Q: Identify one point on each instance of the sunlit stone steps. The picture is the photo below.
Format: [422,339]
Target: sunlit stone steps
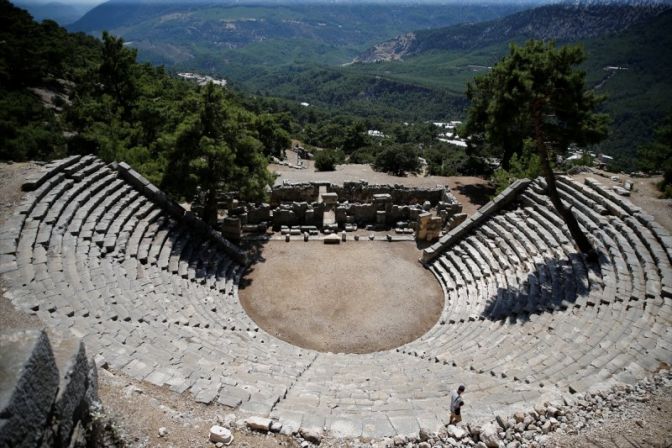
[559,288]
[93,253]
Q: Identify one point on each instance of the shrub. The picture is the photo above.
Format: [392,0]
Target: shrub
[326,160]
[398,160]
[525,166]
[365,155]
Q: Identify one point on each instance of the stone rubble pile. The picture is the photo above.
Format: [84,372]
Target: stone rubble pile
[571,415]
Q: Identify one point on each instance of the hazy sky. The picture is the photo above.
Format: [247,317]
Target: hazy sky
[67,2]
[95,2]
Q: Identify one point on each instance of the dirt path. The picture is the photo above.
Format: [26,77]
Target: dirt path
[356,297]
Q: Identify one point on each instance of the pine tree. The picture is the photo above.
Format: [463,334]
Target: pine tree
[537,94]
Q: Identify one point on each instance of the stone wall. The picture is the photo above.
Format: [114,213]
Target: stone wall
[360,192]
[363,192]
[299,192]
[177,211]
[48,393]
[298,214]
[294,204]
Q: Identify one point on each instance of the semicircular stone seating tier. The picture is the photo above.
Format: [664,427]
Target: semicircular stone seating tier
[98,252]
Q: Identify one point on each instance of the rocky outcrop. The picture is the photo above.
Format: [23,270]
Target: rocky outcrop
[562,22]
[390,50]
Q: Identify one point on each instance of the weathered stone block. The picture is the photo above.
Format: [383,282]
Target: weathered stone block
[258,423]
[28,385]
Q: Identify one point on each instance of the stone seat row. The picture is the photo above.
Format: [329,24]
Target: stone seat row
[97,210]
[485,274]
[95,273]
[525,316]
[385,393]
[117,312]
[616,319]
[103,209]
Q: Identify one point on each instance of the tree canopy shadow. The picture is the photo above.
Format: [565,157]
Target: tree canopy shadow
[479,194]
[556,284]
[255,251]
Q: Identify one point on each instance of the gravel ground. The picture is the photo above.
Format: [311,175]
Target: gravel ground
[354,297]
[140,409]
[642,418]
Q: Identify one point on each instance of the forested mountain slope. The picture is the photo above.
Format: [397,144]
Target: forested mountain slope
[63,93]
[230,37]
[561,22]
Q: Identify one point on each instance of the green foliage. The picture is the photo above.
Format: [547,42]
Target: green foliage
[585,160]
[536,98]
[305,62]
[336,132]
[327,159]
[448,160]
[346,90]
[312,32]
[116,71]
[430,85]
[27,129]
[176,134]
[274,138]
[365,155]
[527,165]
[535,93]
[215,148]
[398,159]
[33,55]
[656,156]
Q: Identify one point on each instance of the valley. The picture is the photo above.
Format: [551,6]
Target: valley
[346,58]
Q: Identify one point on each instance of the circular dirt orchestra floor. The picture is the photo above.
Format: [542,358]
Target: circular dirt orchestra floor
[357,297]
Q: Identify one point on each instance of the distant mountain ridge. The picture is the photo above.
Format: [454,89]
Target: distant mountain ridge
[60,12]
[178,31]
[560,22]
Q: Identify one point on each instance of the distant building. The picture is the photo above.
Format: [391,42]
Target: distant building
[492,162]
[202,80]
[455,142]
[447,124]
[375,133]
[602,160]
[449,134]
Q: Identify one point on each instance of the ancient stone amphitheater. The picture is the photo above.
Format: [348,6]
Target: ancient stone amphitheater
[99,253]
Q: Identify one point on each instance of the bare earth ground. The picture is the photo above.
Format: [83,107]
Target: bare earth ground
[641,425]
[140,409]
[355,297]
